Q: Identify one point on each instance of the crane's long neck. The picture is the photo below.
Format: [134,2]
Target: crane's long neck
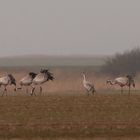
[84,77]
[111,82]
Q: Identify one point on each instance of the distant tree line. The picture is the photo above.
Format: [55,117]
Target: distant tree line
[123,63]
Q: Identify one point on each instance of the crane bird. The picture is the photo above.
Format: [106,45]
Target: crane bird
[43,76]
[27,80]
[123,81]
[7,80]
[88,85]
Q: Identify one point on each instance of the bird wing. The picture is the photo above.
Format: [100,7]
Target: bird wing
[4,80]
[89,83]
[27,80]
[40,78]
[122,80]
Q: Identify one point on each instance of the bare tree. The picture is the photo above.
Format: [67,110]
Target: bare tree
[123,63]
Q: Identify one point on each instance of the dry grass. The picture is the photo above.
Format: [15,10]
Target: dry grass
[70,116]
[66,112]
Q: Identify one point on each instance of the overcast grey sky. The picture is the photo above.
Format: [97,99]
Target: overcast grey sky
[65,27]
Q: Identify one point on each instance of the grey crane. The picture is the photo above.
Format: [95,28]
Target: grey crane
[122,82]
[43,76]
[88,85]
[27,80]
[7,80]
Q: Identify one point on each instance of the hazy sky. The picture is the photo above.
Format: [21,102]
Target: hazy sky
[55,27]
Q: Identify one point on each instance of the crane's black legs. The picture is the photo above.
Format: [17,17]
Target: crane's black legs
[27,90]
[121,90]
[40,90]
[4,92]
[33,91]
[129,90]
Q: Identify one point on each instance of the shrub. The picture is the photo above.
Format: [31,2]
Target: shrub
[123,63]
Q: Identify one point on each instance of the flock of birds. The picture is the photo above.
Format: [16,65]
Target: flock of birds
[121,81]
[33,79]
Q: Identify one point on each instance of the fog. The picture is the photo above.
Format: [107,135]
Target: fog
[68,27]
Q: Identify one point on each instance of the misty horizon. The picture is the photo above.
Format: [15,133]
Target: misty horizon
[76,27]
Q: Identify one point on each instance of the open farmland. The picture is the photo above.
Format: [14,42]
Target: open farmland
[70,116]
[65,112]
